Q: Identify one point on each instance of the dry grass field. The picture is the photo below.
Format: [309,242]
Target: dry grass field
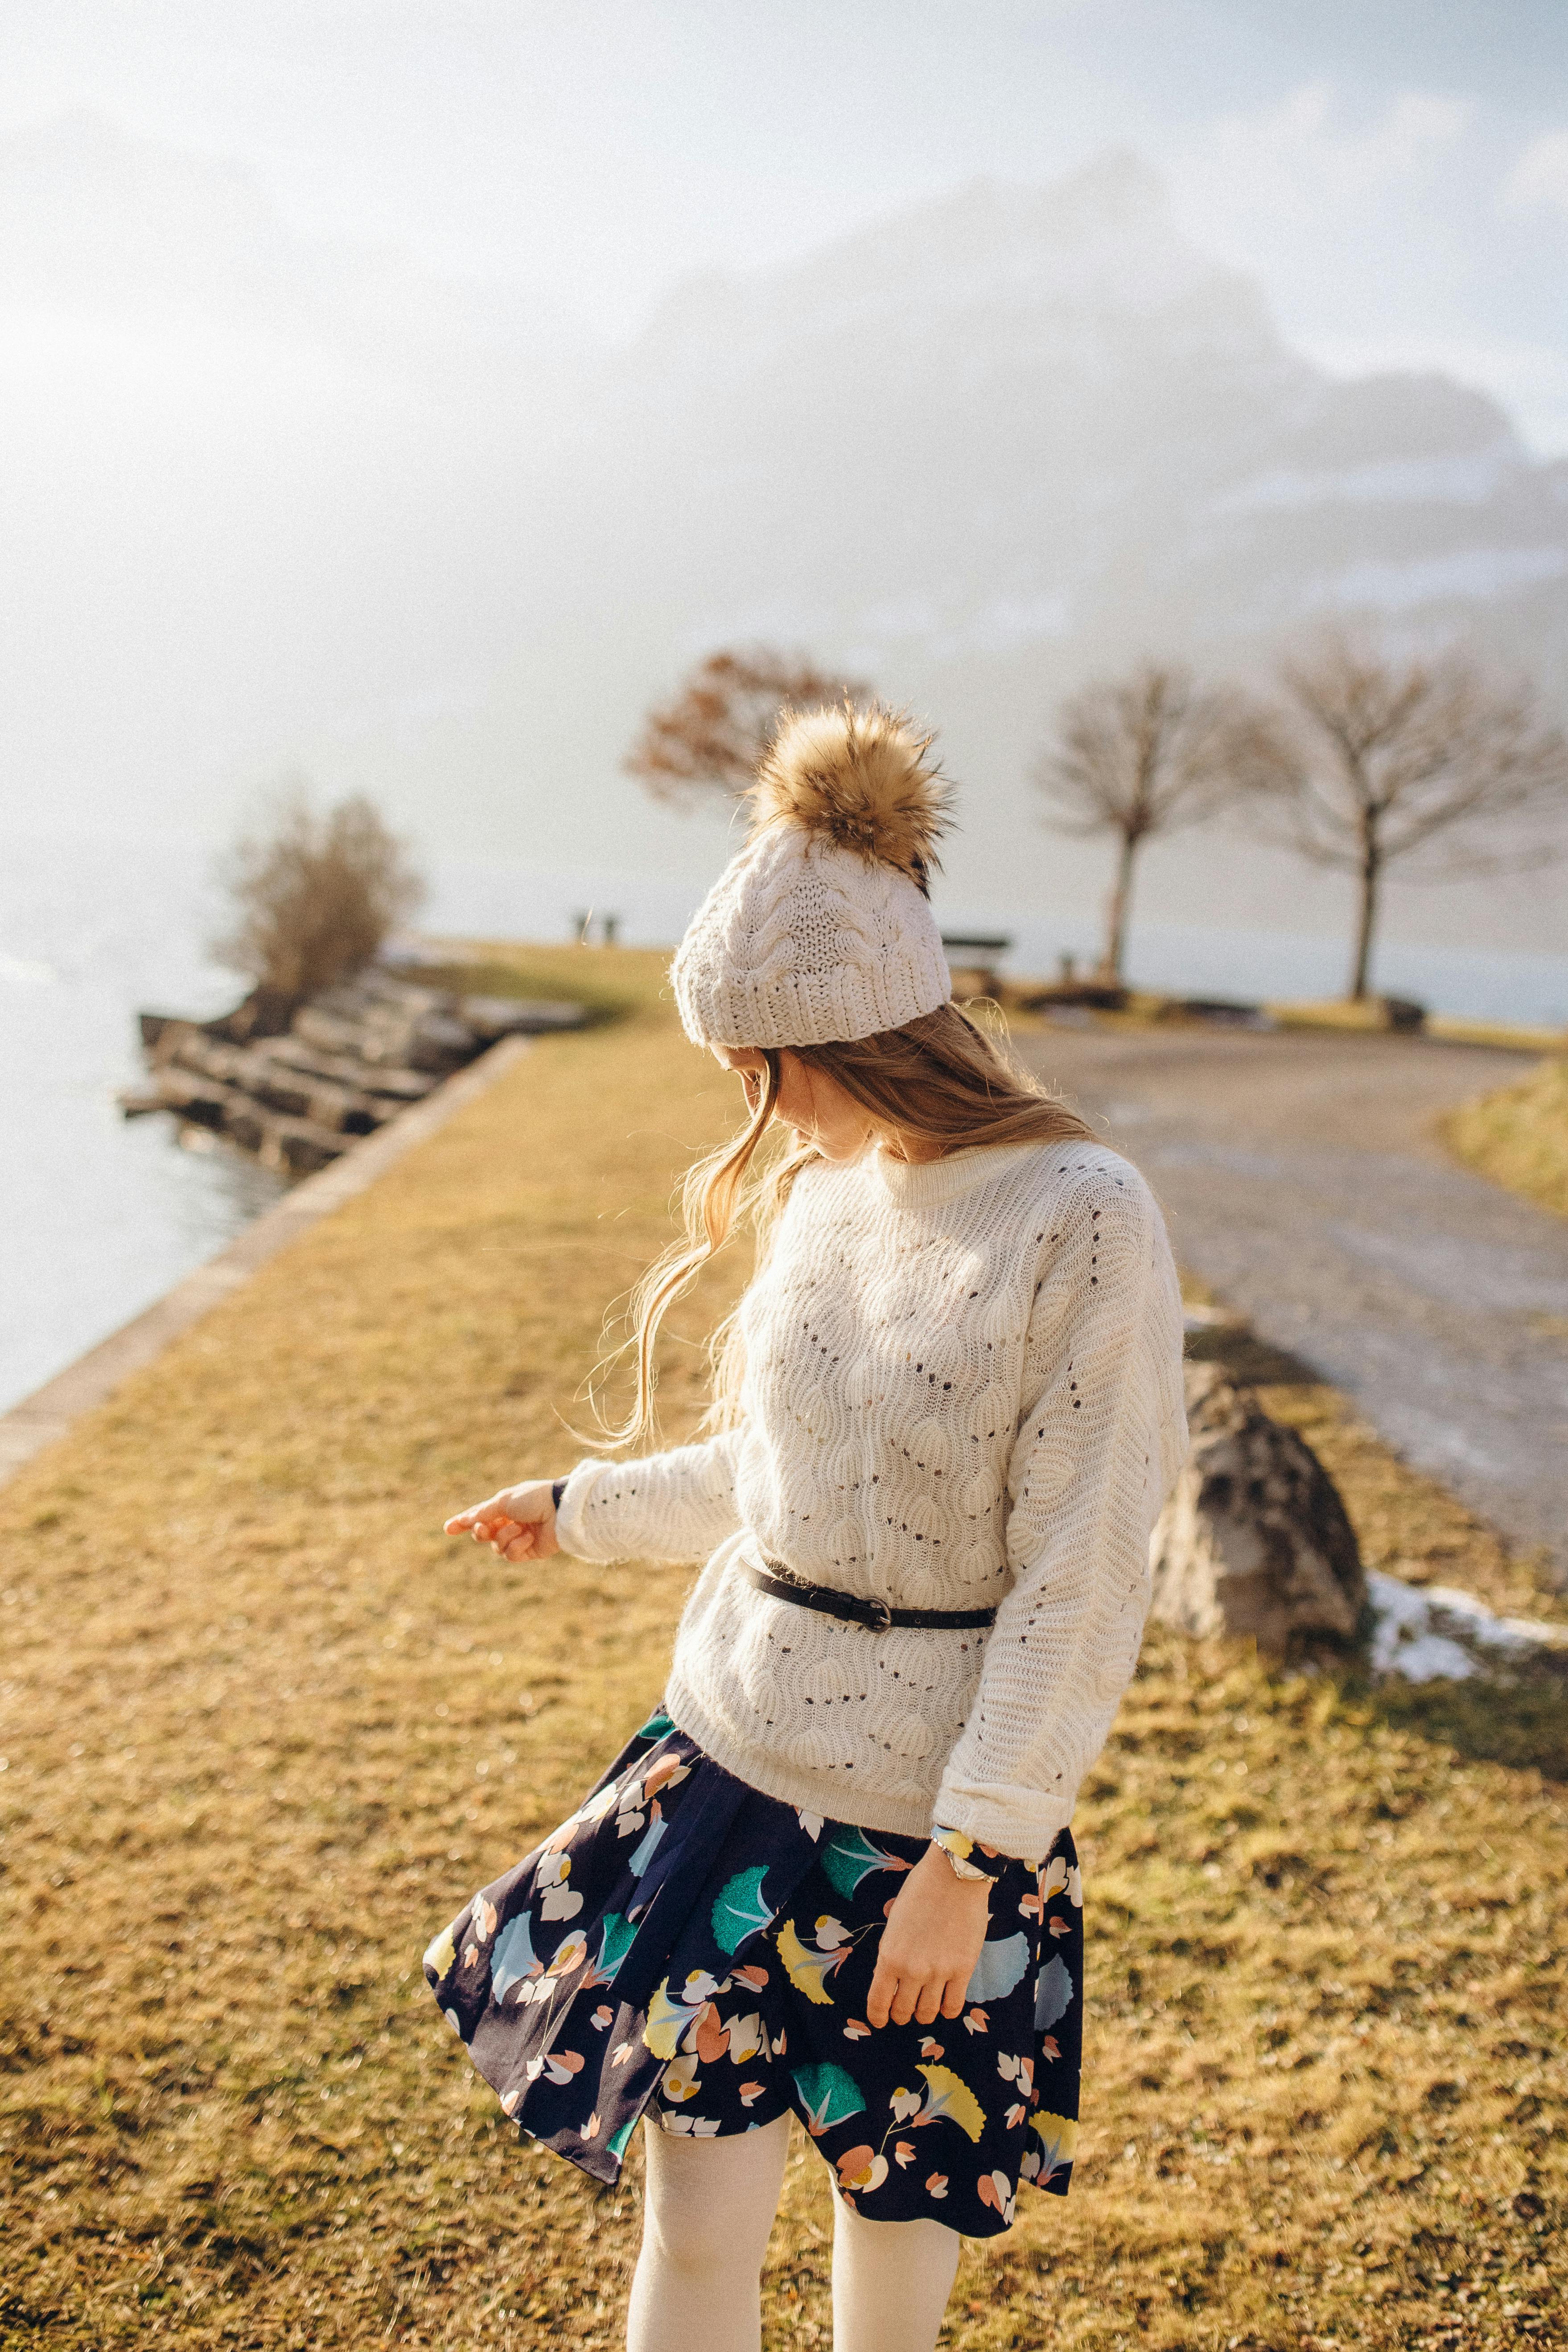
[1518,1136]
[265,1729]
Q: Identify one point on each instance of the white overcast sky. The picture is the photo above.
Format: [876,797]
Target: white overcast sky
[1394,171]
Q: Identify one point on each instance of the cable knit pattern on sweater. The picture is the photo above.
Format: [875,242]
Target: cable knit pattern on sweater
[962,1388]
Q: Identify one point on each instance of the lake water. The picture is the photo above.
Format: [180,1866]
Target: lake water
[100,1215]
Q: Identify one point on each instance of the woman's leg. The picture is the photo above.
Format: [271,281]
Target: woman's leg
[890,2281]
[708,2208]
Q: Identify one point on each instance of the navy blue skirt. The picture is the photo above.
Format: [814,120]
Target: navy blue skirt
[686,1945]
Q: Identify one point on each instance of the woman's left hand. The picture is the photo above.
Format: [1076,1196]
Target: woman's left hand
[930,1945]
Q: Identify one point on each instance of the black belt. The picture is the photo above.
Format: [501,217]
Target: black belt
[875,1615]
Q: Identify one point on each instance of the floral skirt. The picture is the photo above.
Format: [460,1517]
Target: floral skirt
[687,1946]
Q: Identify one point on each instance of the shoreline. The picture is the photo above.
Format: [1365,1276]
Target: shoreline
[50,1412]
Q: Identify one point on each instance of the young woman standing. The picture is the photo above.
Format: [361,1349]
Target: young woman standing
[833,1876]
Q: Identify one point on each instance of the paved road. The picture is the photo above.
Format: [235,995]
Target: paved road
[1301,1177]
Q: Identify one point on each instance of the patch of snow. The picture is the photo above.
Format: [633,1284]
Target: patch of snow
[1432,1632]
[1008,622]
[1000,625]
[22,971]
[1470,572]
[1466,477]
[913,616]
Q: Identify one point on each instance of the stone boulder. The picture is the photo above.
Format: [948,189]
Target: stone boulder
[297,1082]
[1255,1539]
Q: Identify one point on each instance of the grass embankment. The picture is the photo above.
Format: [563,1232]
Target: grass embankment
[607,985]
[1371,1014]
[267,1729]
[1518,1136]
[1024,1003]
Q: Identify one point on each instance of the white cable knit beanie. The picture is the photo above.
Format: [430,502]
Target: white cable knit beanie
[819,931]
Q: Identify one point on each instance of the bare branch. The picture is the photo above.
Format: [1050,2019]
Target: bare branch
[1145,755]
[314,894]
[1423,762]
[713,735]
[1385,760]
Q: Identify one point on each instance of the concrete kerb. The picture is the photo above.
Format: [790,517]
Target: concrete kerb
[51,1411]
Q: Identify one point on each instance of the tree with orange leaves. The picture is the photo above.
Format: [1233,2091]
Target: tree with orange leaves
[712,737]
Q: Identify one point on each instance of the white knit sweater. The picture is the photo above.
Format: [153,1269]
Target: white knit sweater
[963,1388]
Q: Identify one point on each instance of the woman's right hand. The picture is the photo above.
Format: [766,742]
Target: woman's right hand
[519,1523]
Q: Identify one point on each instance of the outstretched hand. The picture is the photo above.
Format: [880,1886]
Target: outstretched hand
[518,1524]
[930,1945]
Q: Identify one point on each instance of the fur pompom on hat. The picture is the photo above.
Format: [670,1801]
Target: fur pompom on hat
[819,931]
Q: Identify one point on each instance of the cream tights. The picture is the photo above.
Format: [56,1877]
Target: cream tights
[710,2210]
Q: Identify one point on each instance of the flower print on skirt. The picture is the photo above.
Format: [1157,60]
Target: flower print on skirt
[686,1945]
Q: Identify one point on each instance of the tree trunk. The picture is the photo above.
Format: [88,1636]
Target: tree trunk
[1371,873]
[1118,908]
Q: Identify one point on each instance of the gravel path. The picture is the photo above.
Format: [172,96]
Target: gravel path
[1302,1179]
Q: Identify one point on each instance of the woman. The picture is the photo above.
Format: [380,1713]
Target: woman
[833,1874]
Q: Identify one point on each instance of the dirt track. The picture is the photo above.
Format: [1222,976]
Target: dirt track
[1302,1179]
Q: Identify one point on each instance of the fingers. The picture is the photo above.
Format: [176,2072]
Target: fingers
[478,1520]
[917,1997]
[878,2001]
[897,1999]
[508,1516]
[488,1523]
[508,1539]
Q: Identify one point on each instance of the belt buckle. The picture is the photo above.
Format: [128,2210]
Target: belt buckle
[880,1616]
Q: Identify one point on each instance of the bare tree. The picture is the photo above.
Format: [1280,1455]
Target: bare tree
[1426,759]
[1140,756]
[314,894]
[712,736]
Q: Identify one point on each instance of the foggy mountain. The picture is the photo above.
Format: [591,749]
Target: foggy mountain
[320,506]
[1037,425]
[99,223]
[247,478]
[988,448]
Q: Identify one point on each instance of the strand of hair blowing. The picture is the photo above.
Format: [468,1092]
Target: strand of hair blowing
[937,1081]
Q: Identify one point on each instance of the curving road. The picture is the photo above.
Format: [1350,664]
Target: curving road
[1301,1177]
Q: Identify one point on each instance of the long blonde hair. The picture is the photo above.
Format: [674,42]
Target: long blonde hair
[941,1080]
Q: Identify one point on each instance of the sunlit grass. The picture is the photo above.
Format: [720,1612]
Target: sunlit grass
[1518,1136]
[266,1729]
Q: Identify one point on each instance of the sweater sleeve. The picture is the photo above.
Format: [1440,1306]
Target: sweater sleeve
[676,1505]
[1100,1440]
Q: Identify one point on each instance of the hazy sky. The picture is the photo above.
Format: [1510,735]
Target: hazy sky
[1394,171]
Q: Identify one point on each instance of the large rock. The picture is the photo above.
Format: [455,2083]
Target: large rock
[297,1082]
[1255,1539]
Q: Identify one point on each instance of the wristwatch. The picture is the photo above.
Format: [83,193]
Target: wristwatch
[966,1859]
